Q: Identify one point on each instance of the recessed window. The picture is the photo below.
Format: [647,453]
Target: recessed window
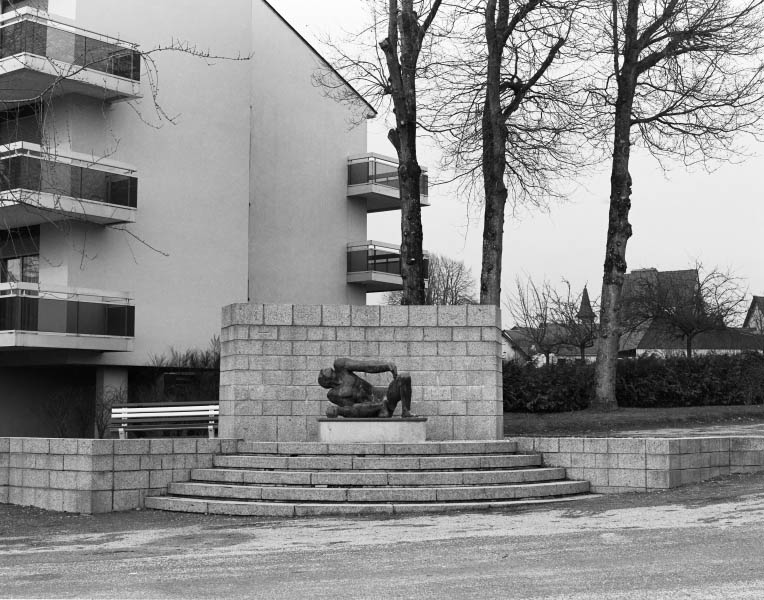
[24,269]
[9,5]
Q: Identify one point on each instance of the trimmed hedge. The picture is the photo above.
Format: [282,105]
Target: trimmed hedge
[640,383]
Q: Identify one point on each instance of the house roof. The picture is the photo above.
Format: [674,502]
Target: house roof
[681,283]
[757,302]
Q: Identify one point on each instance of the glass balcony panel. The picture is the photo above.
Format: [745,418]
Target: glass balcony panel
[385,174]
[60,45]
[61,179]
[14,128]
[358,173]
[52,316]
[91,318]
[69,47]
[119,320]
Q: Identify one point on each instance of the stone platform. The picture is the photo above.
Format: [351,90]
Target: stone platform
[310,479]
[383,431]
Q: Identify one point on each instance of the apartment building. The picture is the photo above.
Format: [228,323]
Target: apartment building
[159,160]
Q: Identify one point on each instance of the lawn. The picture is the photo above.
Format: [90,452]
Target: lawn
[597,423]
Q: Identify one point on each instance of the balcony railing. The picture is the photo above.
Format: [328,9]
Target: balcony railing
[56,187]
[69,55]
[67,312]
[376,265]
[375,178]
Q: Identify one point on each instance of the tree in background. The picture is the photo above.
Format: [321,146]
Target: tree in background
[532,310]
[681,78]
[683,304]
[449,282]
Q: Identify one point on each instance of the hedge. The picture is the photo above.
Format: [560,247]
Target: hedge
[641,383]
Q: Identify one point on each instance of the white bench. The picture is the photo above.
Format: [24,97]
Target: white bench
[164,416]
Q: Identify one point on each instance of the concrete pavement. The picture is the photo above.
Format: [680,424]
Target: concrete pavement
[702,541]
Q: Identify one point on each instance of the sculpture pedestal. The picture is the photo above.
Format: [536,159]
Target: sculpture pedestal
[380,431]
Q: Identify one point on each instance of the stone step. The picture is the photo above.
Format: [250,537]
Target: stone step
[378,478]
[378,494]
[423,448]
[307,509]
[376,463]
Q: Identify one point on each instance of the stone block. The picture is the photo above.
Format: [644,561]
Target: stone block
[351,334]
[547,444]
[626,445]
[483,349]
[61,446]
[100,480]
[438,334]
[452,316]
[131,446]
[292,429]
[293,363]
[34,478]
[661,446]
[452,348]
[293,333]
[244,314]
[571,445]
[78,462]
[131,480]
[276,349]
[364,316]
[126,499]
[277,314]
[483,315]
[262,333]
[451,407]
[583,459]
[322,333]
[160,446]
[408,334]
[389,350]
[657,461]
[335,315]
[36,446]
[440,428]
[606,461]
[128,462]
[305,314]
[394,316]
[184,446]
[423,316]
[235,332]
[257,363]
[101,501]
[49,461]
[628,478]
[78,501]
[746,443]
[631,461]
[689,445]
[482,408]
[160,479]
[466,334]
[370,350]
[232,363]
[379,334]
[150,461]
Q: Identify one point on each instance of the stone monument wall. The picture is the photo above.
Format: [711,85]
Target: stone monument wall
[271,355]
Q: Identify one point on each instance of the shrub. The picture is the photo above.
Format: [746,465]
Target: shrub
[640,383]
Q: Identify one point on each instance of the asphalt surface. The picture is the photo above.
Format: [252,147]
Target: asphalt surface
[701,541]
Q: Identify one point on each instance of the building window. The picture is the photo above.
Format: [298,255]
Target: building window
[24,269]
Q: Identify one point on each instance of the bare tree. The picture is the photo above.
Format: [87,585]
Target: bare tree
[449,282]
[532,310]
[683,304]
[502,114]
[390,68]
[682,78]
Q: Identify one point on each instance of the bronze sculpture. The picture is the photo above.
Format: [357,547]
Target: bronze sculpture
[354,397]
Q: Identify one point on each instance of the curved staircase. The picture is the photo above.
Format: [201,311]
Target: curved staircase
[309,479]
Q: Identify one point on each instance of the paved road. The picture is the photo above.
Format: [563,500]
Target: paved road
[704,541]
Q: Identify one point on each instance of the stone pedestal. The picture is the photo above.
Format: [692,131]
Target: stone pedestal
[271,355]
[379,431]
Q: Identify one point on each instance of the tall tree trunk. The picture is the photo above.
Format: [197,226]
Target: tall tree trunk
[494,131]
[618,234]
[402,73]
[688,346]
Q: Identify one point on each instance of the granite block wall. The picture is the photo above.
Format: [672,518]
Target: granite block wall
[613,465]
[95,476]
[271,355]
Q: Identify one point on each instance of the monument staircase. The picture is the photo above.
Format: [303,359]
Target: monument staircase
[311,479]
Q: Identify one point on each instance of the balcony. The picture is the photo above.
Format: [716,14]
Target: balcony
[376,266]
[40,57]
[36,188]
[375,179]
[61,318]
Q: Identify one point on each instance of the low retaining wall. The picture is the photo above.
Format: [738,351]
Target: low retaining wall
[271,355]
[95,476]
[614,465]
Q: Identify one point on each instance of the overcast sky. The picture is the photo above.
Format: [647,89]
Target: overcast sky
[677,217]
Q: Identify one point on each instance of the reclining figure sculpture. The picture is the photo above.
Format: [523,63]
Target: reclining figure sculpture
[354,397]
